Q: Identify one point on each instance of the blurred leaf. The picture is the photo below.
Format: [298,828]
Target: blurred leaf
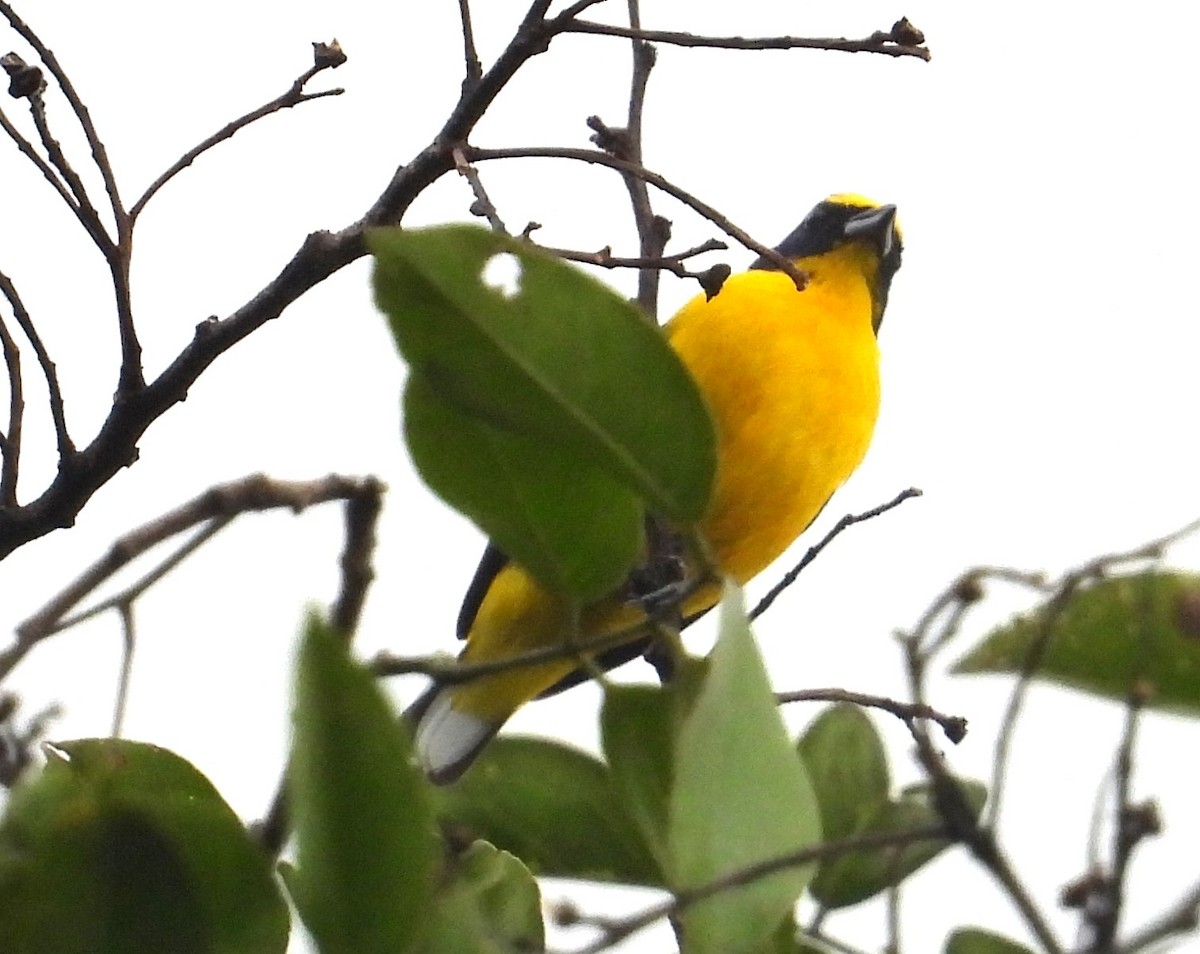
[563,359]
[124,847]
[848,768]
[856,876]
[364,826]
[492,905]
[1113,636]
[553,807]
[978,941]
[638,724]
[740,797]
[571,525]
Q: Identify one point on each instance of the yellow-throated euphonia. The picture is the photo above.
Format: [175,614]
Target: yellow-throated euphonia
[791,378]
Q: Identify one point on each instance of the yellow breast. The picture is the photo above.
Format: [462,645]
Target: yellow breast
[792,380]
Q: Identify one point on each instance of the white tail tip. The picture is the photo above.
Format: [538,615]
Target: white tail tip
[447,740]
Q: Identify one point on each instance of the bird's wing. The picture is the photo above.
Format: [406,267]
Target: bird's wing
[490,564]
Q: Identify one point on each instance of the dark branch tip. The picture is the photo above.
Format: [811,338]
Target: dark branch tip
[25,81]
[905,33]
[328,56]
[711,279]
[614,140]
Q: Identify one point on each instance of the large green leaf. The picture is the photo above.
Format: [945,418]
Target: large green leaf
[848,767]
[1140,631]
[570,524]
[366,841]
[856,876]
[553,807]
[638,726]
[490,904]
[978,941]
[740,796]
[124,847]
[563,359]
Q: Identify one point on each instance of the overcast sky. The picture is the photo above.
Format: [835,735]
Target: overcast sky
[1039,349]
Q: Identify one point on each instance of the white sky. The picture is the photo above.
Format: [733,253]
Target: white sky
[1039,367]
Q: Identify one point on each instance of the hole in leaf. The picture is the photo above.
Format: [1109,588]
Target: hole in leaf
[502,273]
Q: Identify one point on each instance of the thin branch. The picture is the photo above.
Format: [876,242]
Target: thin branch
[128,642]
[1182,917]
[27,150]
[86,212]
[619,930]
[952,805]
[902,40]
[293,96]
[1049,615]
[10,443]
[218,504]
[320,255]
[474,69]
[673,263]
[361,518]
[99,153]
[845,523]
[954,727]
[653,231]
[483,205]
[65,447]
[600,158]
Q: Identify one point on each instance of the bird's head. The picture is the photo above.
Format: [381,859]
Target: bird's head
[865,229]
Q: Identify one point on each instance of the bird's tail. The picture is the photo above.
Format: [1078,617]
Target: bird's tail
[446,740]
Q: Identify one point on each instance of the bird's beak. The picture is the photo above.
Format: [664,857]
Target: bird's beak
[876,224]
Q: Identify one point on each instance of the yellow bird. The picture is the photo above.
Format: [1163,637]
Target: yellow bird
[792,381]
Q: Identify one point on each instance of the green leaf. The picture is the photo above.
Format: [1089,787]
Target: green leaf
[1119,635]
[740,797]
[978,941]
[120,846]
[492,905]
[856,876]
[553,807]
[638,725]
[364,823]
[571,525]
[563,360]
[848,767]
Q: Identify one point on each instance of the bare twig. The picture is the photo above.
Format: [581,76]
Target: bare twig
[214,507]
[954,727]
[99,153]
[293,96]
[888,43]
[673,263]
[1049,616]
[128,643]
[10,441]
[1182,917]
[600,158]
[321,255]
[41,164]
[952,805]
[474,69]
[361,517]
[619,930]
[1104,897]
[483,205]
[814,551]
[65,447]
[85,211]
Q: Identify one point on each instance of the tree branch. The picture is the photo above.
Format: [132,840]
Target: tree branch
[325,56]
[216,507]
[814,551]
[902,40]
[954,727]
